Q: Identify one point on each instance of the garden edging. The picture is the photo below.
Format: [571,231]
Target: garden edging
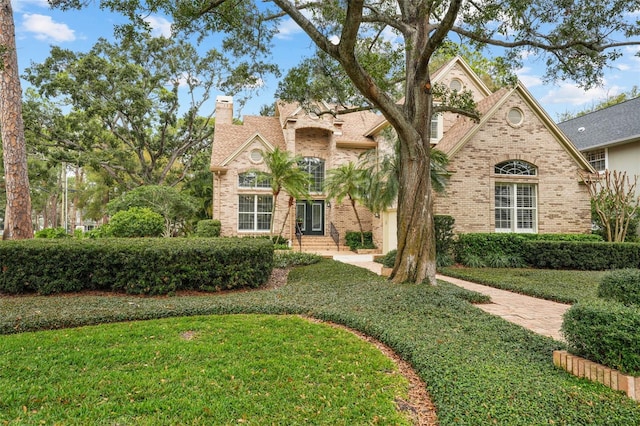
[595,372]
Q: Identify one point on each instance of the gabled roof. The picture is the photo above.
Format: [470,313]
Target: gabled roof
[609,126]
[436,77]
[229,138]
[465,128]
[444,70]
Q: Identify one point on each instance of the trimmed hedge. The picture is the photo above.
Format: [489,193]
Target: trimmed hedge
[509,250]
[354,241]
[605,332]
[135,266]
[621,286]
[593,256]
[208,228]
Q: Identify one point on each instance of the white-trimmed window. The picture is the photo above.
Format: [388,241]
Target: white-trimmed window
[516,203]
[315,167]
[254,212]
[437,124]
[251,180]
[516,206]
[598,159]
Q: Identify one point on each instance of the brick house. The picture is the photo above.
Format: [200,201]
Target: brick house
[513,171]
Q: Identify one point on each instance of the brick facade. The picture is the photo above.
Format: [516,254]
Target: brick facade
[474,149]
[302,134]
[563,204]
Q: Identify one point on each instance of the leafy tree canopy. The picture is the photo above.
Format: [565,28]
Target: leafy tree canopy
[117,107]
[174,206]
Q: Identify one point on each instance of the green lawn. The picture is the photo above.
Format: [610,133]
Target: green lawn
[560,286]
[479,369]
[251,369]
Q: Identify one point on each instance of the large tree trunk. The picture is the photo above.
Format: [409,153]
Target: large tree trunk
[17,223]
[416,256]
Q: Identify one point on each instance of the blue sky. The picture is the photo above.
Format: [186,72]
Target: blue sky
[38,27]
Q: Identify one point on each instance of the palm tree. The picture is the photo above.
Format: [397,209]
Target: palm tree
[381,176]
[283,173]
[347,181]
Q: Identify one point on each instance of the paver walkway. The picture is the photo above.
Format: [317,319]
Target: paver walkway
[540,316]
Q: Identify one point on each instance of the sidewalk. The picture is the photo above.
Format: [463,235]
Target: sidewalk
[540,316]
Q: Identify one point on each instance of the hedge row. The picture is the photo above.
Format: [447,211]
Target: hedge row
[605,332]
[594,256]
[136,266]
[506,250]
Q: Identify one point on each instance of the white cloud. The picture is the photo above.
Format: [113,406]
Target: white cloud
[19,5]
[529,80]
[44,28]
[160,27]
[287,29]
[570,94]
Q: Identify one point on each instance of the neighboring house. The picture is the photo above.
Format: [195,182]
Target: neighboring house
[609,138]
[513,171]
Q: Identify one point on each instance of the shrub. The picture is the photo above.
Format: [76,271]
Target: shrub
[136,266]
[389,259]
[52,233]
[472,260]
[135,223]
[605,332]
[593,256]
[354,241]
[209,228]
[486,249]
[293,258]
[279,240]
[621,286]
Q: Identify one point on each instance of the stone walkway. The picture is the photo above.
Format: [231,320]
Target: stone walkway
[540,316]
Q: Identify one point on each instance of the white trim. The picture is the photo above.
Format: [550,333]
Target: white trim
[255,137]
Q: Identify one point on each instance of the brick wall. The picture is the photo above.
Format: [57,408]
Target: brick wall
[306,142]
[563,202]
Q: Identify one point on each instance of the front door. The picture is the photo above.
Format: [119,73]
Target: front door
[310,215]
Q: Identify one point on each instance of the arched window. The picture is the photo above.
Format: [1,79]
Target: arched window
[315,167]
[253,180]
[516,203]
[515,167]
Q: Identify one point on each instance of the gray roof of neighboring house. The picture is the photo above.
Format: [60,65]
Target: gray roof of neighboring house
[609,126]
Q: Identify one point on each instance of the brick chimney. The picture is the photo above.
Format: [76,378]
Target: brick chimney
[224,109]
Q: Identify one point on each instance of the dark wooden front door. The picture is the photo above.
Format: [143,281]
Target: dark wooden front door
[310,215]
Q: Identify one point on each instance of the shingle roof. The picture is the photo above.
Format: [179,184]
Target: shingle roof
[609,126]
[464,125]
[228,137]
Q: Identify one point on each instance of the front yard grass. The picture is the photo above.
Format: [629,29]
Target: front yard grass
[251,369]
[560,286]
[479,369]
